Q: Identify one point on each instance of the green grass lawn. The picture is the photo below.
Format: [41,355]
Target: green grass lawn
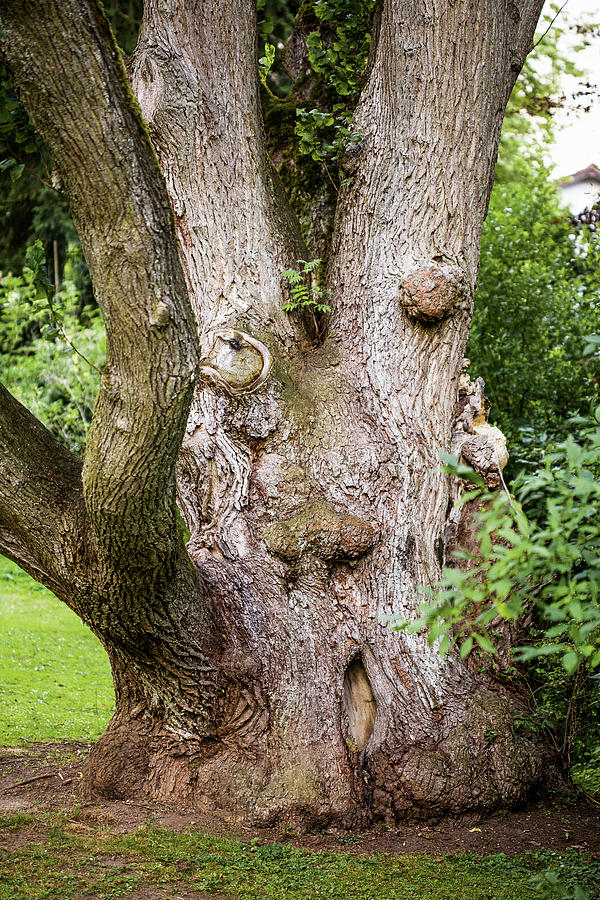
[55,681]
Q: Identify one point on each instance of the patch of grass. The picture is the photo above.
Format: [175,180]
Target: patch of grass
[55,684]
[105,865]
[55,681]
[16,821]
[102,865]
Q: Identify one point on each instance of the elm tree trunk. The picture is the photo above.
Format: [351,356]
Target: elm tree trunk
[255,670]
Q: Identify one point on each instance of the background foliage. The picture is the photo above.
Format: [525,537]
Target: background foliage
[537,301]
[42,348]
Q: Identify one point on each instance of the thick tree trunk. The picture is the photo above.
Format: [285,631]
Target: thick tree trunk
[327,714]
[262,678]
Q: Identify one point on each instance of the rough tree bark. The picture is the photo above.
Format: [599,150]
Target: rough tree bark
[254,671]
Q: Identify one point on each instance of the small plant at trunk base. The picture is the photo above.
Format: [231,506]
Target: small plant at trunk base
[306,294]
[304,287]
[548,887]
[539,556]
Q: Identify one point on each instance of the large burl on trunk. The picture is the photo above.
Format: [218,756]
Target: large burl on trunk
[254,668]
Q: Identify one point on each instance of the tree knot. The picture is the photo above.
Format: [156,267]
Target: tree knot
[161,314]
[321,531]
[237,362]
[430,292]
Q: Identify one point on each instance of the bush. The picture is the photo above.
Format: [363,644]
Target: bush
[539,556]
[50,351]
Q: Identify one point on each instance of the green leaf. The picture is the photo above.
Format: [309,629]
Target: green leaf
[467,497]
[570,661]
[501,588]
[50,332]
[466,647]
[484,642]
[444,645]
[16,172]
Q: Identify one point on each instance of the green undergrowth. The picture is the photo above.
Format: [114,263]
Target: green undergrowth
[55,681]
[61,863]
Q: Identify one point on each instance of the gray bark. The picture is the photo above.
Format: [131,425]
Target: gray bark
[266,680]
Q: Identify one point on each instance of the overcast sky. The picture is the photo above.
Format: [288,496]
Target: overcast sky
[578,132]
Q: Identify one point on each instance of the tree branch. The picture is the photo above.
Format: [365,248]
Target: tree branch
[530,11]
[407,232]
[195,74]
[431,115]
[43,523]
[72,80]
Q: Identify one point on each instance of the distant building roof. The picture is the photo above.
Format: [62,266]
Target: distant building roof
[581,190]
[590,173]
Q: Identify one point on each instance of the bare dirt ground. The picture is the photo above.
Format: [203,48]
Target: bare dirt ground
[45,776]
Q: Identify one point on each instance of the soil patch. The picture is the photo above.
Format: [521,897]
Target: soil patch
[45,776]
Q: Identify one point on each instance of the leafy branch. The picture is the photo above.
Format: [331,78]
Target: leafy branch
[265,63]
[547,560]
[324,134]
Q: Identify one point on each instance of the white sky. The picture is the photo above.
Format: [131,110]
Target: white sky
[578,132]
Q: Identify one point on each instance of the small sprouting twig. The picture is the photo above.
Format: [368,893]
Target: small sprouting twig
[56,321]
[73,347]
[335,187]
[505,488]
